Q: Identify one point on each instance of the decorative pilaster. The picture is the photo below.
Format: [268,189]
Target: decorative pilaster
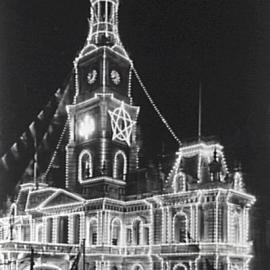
[197,223]
[108,233]
[54,229]
[163,226]
[169,224]
[71,229]
[191,230]
[44,229]
[32,229]
[82,226]
[99,227]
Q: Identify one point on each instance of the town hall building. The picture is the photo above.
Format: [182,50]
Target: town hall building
[113,214]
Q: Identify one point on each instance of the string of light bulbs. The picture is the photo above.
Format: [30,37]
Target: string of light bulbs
[164,121]
[56,149]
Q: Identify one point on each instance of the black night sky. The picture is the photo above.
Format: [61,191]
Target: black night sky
[225,45]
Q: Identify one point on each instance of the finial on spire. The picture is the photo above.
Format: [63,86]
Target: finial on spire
[103,22]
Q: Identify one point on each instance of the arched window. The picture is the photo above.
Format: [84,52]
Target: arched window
[93,232]
[120,165]
[85,165]
[179,182]
[180,267]
[49,230]
[76,238]
[116,232]
[180,228]
[137,267]
[137,231]
[63,230]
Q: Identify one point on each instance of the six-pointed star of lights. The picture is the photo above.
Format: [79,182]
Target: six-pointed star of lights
[122,124]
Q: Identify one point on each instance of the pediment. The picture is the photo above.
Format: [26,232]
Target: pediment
[61,197]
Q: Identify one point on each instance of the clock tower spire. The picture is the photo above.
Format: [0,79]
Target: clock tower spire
[102,148]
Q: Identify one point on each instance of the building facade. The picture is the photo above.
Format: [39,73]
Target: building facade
[113,214]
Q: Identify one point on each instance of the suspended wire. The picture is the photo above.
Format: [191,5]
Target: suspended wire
[56,150]
[164,121]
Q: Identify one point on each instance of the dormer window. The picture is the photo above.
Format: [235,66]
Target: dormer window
[179,183]
[85,165]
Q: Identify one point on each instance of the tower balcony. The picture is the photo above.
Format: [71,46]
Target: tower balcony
[227,248]
[177,248]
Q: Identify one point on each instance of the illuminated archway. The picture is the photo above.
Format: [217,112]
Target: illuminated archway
[116,229]
[180,228]
[137,229]
[120,165]
[85,165]
[179,266]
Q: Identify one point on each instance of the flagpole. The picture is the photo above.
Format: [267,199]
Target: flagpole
[200,113]
[35,161]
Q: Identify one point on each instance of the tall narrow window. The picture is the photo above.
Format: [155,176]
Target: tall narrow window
[85,165]
[93,232]
[146,236]
[120,165]
[236,228]
[103,11]
[116,232]
[63,230]
[129,236]
[76,229]
[137,227]
[179,182]
[49,230]
[180,228]
[26,233]
[39,231]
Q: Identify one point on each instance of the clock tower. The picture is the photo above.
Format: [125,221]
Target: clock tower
[102,147]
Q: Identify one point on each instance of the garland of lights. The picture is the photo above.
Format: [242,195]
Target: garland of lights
[56,150]
[164,121]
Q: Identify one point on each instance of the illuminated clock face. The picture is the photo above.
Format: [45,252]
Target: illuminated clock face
[92,76]
[86,127]
[115,76]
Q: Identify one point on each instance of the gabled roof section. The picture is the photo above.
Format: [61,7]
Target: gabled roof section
[37,197]
[61,197]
